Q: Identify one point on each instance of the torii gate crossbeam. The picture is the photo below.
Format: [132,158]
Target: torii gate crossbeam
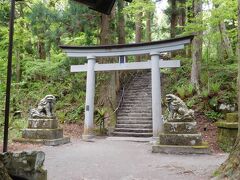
[153,49]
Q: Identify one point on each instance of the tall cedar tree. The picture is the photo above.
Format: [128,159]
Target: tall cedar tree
[230,169]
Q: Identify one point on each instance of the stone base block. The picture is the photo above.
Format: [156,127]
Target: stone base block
[232,117]
[47,142]
[42,133]
[180,139]
[180,128]
[227,125]
[226,134]
[42,123]
[182,120]
[170,149]
[87,137]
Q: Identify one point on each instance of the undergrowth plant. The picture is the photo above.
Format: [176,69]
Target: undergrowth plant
[100,119]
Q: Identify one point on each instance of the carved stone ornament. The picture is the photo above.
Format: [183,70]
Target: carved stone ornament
[44,109]
[177,109]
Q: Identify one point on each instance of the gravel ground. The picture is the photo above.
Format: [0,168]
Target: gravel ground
[123,160]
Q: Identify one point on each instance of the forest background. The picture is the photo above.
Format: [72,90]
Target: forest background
[206,79]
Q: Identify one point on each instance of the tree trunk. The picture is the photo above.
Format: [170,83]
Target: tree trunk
[148,27]
[121,37]
[18,67]
[121,23]
[230,169]
[41,49]
[182,15]
[225,39]
[104,34]
[138,31]
[196,49]
[173,18]
[238,79]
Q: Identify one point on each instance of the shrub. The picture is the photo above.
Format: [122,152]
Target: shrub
[189,90]
[215,87]
[181,92]
[204,93]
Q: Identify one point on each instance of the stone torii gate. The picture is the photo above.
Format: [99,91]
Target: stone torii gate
[152,48]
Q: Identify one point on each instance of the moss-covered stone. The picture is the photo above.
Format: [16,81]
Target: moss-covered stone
[25,165]
[42,123]
[227,125]
[172,149]
[181,139]
[43,133]
[180,128]
[232,117]
[226,137]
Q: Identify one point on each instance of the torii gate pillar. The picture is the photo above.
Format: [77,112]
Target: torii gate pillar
[157,121]
[89,106]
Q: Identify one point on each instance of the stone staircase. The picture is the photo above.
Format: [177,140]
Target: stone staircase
[134,118]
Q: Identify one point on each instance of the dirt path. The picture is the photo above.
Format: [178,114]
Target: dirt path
[122,160]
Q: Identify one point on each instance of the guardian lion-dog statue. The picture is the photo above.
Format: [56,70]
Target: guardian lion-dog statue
[178,111]
[45,108]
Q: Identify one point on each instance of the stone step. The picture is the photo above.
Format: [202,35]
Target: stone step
[134,118]
[132,134]
[134,114]
[134,121]
[42,133]
[139,91]
[135,100]
[180,128]
[138,104]
[135,130]
[42,123]
[141,80]
[137,96]
[136,111]
[137,108]
[171,149]
[47,142]
[139,126]
[180,139]
[140,88]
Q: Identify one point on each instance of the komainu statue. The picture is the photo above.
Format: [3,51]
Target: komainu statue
[45,108]
[177,109]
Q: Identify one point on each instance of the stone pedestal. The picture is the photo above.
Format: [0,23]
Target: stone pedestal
[227,131]
[44,131]
[180,138]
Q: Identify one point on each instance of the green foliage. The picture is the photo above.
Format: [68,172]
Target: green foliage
[215,87]
[181,91]
[214,116]
[205,93]
[76,115]
[100,119]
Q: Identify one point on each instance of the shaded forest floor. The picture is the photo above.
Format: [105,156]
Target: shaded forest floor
[74,131]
